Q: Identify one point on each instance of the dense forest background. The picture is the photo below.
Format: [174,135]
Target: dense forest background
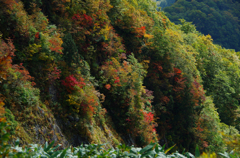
[116,71]
[164,3]
[219,18]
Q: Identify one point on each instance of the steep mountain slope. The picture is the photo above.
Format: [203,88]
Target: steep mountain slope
[114,72]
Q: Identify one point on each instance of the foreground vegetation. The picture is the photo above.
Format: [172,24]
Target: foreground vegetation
[152,150]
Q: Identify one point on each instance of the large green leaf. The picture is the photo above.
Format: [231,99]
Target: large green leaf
[148,147]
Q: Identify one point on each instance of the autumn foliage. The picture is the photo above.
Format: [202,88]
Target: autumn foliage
[115,72]
[70,82]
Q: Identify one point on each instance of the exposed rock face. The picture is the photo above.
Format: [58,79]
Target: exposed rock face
[53,93]
[41,126]
[73,137]
[52,131]
[38,127]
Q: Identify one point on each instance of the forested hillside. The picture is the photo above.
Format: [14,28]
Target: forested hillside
[164,3]
[114,72]
[219,18]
